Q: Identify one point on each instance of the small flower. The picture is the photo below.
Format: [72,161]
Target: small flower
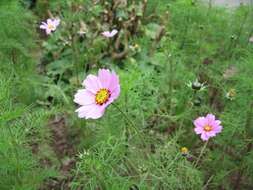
[184,151]
[109,34]
[251,39]
[196,85]
[50,25]
[100,92]
[231,94]
[207,126]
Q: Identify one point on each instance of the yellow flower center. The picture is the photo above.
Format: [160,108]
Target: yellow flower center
[184,150]
[102,96]
[208,128]
[51,27]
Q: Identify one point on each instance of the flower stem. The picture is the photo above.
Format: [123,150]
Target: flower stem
[201,153]
[129,121]
[15,146]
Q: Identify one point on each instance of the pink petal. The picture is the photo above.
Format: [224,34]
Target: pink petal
[104,76]
[204,137]
[200,122]
[56,22]
[217,122]
[211,133]
[84,97]
[49,21]
[198,130]
[48,31]
[114,82]
[92,111]
[106,34]
[92,84]
[210,118]
[217,129]
[115,93]
[43,26]
[114,32]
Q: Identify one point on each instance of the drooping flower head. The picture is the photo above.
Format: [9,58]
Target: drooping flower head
[50,25]
[207,126]
[100,91]
[109,34]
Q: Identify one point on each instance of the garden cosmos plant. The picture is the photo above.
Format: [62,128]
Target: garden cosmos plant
[100,91]
[109,34]
[207,126]
[50,25]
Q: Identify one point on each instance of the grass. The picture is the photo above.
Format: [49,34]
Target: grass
[44,145]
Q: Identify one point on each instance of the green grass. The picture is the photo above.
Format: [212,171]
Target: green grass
[40,75]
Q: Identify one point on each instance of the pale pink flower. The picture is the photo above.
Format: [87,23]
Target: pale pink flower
[251,39]
[207,126]
[99,92]
[109,34]
[50,25]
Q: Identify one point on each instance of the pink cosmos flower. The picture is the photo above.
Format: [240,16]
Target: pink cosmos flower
[207,126]
[99,92]
[109,34]
[50,25]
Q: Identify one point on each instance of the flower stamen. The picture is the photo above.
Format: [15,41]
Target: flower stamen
[208,128]
[102,96]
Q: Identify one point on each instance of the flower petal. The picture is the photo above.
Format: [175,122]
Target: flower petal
[114,32]
[92,111]
[200,122]
[217,129]
[106,34]
[204,137]
[48,31]
[49,21]
[92,84]
[114,82]
[210,118]
[84,97]
[104,76]
[198,130]
[43,26]
[56,22]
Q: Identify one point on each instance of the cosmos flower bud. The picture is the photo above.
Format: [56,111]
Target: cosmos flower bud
[196,85]
[184,151]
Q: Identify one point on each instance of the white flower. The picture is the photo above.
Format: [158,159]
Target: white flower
[50,25]
[109,34]
[251,39]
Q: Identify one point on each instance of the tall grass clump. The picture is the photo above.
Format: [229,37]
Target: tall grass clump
[21,124]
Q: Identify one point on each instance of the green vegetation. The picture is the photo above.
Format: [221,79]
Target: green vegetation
[162,47]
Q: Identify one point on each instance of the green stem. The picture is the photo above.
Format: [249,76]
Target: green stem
[129,121]
[15,146]
[75,57]
[201,153]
